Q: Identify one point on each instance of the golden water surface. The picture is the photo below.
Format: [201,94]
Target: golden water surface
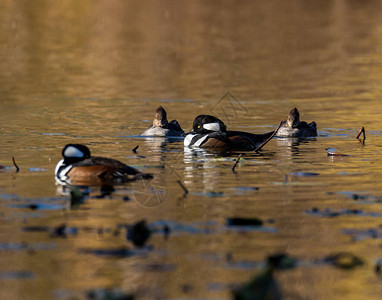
[93,72]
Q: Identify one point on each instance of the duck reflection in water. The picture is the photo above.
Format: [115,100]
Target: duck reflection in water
[290,147]
[160,144]
[200,167]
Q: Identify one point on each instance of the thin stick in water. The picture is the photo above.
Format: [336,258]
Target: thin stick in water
[236,162]
[267,140]
[360,132]
[14,163]
[182,186]
[135,149]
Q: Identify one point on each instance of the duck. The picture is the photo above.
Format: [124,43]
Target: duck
[78,166]
[161,127]
[293,127]
[211,132]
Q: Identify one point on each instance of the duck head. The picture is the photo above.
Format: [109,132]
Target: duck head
[75,152]
[160,118]
[206,124]
[293,118]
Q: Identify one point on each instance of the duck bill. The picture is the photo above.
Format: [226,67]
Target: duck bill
[191,132]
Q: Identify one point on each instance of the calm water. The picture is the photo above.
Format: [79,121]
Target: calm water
[93,72]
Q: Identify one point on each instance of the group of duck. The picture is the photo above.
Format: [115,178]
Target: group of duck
[207,132]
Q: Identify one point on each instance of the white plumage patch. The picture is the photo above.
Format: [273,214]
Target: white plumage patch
[73,152]
[188,139]
[61,177]
[212,126]
[59,164]
[200,141]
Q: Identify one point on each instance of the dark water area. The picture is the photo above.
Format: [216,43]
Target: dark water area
[93,72]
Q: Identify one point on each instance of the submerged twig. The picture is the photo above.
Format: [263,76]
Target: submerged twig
[362,131]
[236,162]
[182,186]
[135,149]
[14,163]
[268,139]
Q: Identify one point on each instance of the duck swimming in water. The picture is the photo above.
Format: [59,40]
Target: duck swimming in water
[78,166]
[293,127]
[161,126]
[210,132]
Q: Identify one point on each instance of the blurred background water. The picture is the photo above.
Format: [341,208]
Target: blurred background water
[93,72]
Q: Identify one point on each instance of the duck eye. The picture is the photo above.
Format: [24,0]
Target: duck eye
[199,126]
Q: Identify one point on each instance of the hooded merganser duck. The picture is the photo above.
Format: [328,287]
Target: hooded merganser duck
[210,132]
[161,127]
[293,127]
[79,166]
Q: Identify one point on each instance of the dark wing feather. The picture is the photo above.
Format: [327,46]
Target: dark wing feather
[174,125]
[247,140]
[115,164]
[313,125]
[217,140]
[216,144]
[240,142]
[308,130]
